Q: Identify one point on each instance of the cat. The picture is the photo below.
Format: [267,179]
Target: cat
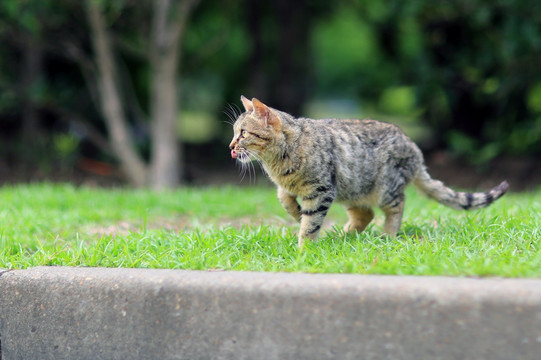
[359,163]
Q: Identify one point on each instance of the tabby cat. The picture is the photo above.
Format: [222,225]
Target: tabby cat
[358,163]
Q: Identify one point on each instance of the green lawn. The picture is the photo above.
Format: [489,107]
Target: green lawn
[244,228]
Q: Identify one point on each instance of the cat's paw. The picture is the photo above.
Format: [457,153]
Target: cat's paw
[353,227]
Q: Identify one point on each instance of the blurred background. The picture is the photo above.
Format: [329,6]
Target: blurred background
[139,92]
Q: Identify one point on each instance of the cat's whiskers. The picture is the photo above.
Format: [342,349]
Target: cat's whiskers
[245,168]
[242,170]
[232,112]
[248,166]
[252,168]
[254,156]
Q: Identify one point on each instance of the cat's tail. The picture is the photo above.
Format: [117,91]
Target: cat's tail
[436,190]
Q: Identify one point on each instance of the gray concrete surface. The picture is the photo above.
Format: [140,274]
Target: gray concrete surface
[88,313]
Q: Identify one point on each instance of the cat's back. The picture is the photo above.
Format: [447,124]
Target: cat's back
[353,132]
[356,153]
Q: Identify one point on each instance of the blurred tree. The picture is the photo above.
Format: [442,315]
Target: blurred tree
[468,69]
[110,99]
[38,29]
[167,31]
[168,25]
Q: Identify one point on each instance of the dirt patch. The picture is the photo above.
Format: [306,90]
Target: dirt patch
[185,224]
[127,227]
[120,228]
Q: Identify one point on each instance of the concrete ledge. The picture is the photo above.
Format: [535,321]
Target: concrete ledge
[88,313]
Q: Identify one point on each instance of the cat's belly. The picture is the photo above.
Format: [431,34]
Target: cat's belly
[373,199]
[350,186]
[356,184]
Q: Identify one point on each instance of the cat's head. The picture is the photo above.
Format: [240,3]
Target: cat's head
[256,132]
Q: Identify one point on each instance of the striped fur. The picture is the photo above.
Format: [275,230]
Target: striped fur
[436,190]
[359,163]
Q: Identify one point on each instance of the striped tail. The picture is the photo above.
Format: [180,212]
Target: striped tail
[436,190]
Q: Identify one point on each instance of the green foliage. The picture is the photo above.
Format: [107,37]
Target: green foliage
[398,100]
[246,229]
[33,16]
[470,148]
[65,147]
[472,67]
[534,98]
[196,127]
[343,46]
[468,70]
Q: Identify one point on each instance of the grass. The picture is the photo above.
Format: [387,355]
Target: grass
[245,229]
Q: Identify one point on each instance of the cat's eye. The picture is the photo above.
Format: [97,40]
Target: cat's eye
[243,133]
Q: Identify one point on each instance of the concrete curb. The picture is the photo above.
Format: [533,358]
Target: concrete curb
[91,313]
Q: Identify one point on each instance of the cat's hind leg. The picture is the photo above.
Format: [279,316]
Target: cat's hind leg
[392,199]
[359,218]
[393,216]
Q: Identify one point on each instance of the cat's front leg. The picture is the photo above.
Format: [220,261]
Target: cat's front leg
[289,203]
[313,212]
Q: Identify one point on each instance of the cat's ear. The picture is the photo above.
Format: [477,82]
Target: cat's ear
[263,112]
[248,106]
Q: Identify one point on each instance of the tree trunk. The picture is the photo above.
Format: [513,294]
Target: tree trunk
[168,25]
[110,101]
[32,69]
[167,29]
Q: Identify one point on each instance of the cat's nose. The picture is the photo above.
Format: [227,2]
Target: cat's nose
[232,145]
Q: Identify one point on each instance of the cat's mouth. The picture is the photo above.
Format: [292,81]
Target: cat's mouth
[240,155]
